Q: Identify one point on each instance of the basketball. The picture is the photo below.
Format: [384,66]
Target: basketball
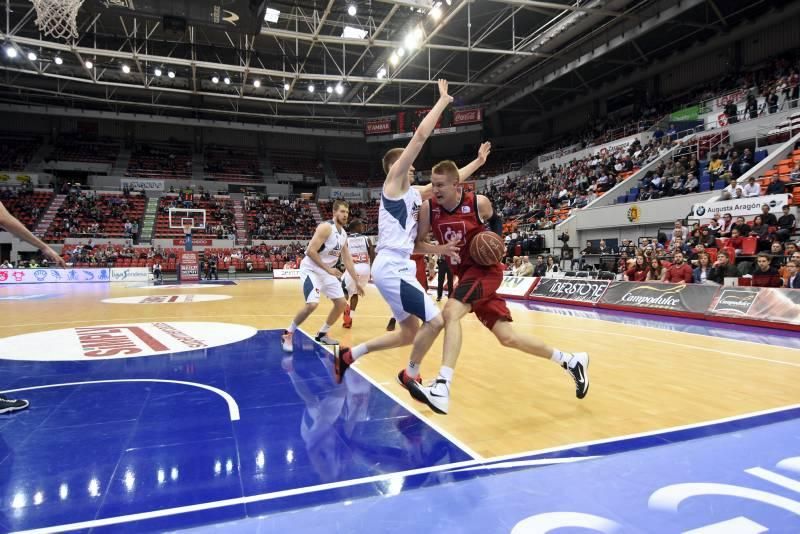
[487,248]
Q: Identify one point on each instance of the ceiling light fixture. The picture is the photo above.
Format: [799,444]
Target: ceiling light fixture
[88,64]
[226,80]
[126,69]
[170,74]
[11,52]
[215,79]
[158,71]
[32,56]
[58,60]
[382,73]
[329,89]
[256,83]
[436,11]
[286,86]
[351,10]
[311,88]
[339,88]
[393,59]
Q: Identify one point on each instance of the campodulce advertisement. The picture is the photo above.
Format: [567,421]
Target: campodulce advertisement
[571,289]
[683,298]
[766,304]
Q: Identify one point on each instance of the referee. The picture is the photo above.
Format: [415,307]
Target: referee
[444,271]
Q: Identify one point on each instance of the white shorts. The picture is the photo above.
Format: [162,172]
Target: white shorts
[363,272]
[314,283]
[396,279]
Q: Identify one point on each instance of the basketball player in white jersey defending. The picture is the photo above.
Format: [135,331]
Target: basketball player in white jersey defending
[363,255]
[393,272]
[318,274]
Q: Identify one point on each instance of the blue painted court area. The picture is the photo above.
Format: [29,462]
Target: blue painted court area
[85,453]
[241,437]
[685,487]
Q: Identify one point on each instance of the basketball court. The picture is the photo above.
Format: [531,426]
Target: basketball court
[157,408]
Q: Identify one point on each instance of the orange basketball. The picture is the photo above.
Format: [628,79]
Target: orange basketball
[487,248]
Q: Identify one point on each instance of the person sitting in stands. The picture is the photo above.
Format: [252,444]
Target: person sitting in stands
[764,274]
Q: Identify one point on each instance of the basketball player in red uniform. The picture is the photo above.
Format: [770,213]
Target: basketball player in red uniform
[454,215]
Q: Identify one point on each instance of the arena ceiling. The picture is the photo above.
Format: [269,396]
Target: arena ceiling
[515,57]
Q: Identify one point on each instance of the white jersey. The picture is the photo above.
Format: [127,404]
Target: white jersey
[397,223]
[330,252]
[359,248]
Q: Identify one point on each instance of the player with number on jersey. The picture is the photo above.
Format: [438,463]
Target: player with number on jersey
[363,255]
[456,216]
[393,272]
[318,274]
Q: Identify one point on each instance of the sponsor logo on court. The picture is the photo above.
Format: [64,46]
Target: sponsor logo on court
[121,341]
[166,299]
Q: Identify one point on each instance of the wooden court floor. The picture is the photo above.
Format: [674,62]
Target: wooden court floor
[503,402]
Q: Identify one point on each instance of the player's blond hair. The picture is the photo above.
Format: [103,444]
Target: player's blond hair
[339,203]
[390,157]
[446,168]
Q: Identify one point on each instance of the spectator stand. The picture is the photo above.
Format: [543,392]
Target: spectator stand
[88,213]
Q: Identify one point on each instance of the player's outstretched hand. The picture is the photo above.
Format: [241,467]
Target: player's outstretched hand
[443,91]
[53,256]
[483,152]
[335,272]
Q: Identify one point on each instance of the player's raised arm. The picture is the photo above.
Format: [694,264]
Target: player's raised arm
[422,246]
[465,172]
[397,176]
[322,233]
[17,229]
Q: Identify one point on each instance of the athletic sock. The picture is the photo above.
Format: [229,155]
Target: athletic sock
[412,370]
[325,328]
[358,351]
[352,313]
[292,328]
[560,357]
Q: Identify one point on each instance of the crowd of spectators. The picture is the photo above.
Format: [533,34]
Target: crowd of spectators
[87,213]
[279,219]
[708,253]
[547,195]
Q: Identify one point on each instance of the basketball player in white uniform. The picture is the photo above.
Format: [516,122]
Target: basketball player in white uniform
[15,227]
[318,274]
[393,272]
[363,256]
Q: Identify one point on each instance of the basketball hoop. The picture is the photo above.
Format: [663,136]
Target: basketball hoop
[57,18]
[187,227]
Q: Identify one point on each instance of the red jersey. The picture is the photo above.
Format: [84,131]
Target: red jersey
[461,224]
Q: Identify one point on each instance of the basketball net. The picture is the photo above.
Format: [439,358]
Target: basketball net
[187,228]
[57,18]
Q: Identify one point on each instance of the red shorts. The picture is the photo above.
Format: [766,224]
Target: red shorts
[478,287]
